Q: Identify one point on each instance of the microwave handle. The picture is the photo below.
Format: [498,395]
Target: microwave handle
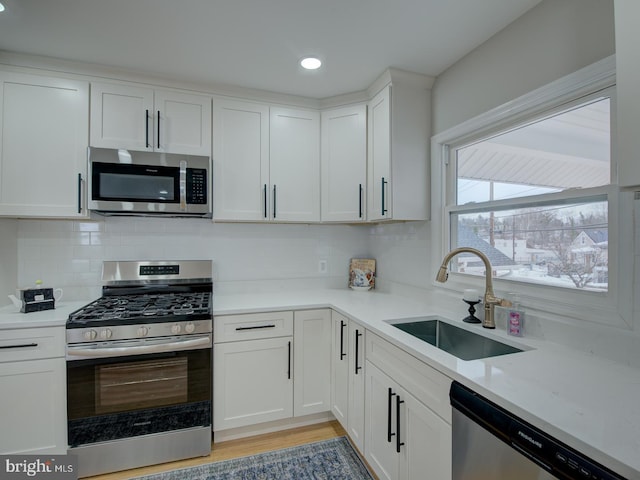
[183,185]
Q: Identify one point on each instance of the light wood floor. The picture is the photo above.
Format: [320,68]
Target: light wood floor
[241,448]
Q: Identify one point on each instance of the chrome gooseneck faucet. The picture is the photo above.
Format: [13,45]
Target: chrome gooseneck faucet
[490,300]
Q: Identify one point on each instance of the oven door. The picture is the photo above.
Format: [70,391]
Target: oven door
[116,395]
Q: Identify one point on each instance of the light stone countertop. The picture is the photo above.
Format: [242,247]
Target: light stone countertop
[590,403]
[11,317]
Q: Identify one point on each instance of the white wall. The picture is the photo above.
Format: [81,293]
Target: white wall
[555,38]
[246,257]
[8,258]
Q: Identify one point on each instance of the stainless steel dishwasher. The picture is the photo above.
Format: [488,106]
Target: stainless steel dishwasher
[489,443]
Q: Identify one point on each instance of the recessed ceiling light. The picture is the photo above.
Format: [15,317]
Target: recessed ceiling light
[1,7]
[310,63]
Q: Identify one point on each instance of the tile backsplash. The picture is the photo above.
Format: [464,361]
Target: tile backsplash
[69,254]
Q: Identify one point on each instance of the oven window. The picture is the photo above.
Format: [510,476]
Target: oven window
[133,385]
[136,187]
[126,384]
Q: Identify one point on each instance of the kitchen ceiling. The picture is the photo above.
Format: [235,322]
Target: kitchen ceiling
[258,43]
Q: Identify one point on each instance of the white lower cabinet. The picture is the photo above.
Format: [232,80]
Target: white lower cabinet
[405,438]
[312,365]
[33,386]
[252,369]
[355,421]
[253,383]
[348,380]
[270,366]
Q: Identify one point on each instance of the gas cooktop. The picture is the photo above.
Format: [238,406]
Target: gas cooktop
[146,292]
[144,308]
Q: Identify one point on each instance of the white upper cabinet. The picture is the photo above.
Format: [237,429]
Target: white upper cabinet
[43,138]
[140,118]
[398,154]
[627,13]
[121,117]
[344,164]
[295,165]
[380,155]
[183,123]
[240,161]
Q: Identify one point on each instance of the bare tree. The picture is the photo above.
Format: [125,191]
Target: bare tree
[580,273]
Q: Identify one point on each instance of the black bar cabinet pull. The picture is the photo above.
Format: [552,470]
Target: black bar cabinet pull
[146,128]
[274,200]
[360,201]
[265,200]
[384,209]
[254,328]
[358,334]
[342,353]
[158,128]
[289,360]
[21,345]
[389,397]
[79,193]
[398,442]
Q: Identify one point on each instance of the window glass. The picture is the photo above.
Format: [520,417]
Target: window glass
[554,238]
[565,151]
[564,246]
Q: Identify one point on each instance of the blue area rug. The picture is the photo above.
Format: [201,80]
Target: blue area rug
[333,459]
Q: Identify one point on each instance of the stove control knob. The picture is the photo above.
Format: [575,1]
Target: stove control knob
[90,335]
[175,329]
[189,327]
[106,334]
[143,331]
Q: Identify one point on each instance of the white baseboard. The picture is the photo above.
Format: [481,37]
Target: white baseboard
[269,427]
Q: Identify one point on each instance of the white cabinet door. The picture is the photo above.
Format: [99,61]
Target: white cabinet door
[340,368]
[380,424]
[426,440]
[295,165]
[348,377]
[343,164]
[312,361]
[379,205]
[43,139]
[183,123]
[141,118]
[356,417]
[398,157]
[122,116]
[33,406]
[240,161]
[253,382]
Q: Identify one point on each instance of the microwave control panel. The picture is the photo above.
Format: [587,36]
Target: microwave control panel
[196,186]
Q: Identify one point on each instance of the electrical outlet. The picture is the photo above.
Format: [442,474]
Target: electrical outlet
[322,266]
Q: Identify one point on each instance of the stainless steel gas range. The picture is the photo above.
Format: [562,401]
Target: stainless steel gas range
[139,367]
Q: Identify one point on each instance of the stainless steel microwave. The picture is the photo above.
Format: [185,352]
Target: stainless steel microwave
[126,182]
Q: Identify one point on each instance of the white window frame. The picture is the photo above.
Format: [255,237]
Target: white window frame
[614,307]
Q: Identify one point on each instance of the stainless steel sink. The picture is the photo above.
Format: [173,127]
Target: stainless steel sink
[457,341]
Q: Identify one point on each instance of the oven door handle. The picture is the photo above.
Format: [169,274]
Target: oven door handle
[139,349]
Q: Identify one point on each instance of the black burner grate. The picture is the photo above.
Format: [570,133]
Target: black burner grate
[144,308]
